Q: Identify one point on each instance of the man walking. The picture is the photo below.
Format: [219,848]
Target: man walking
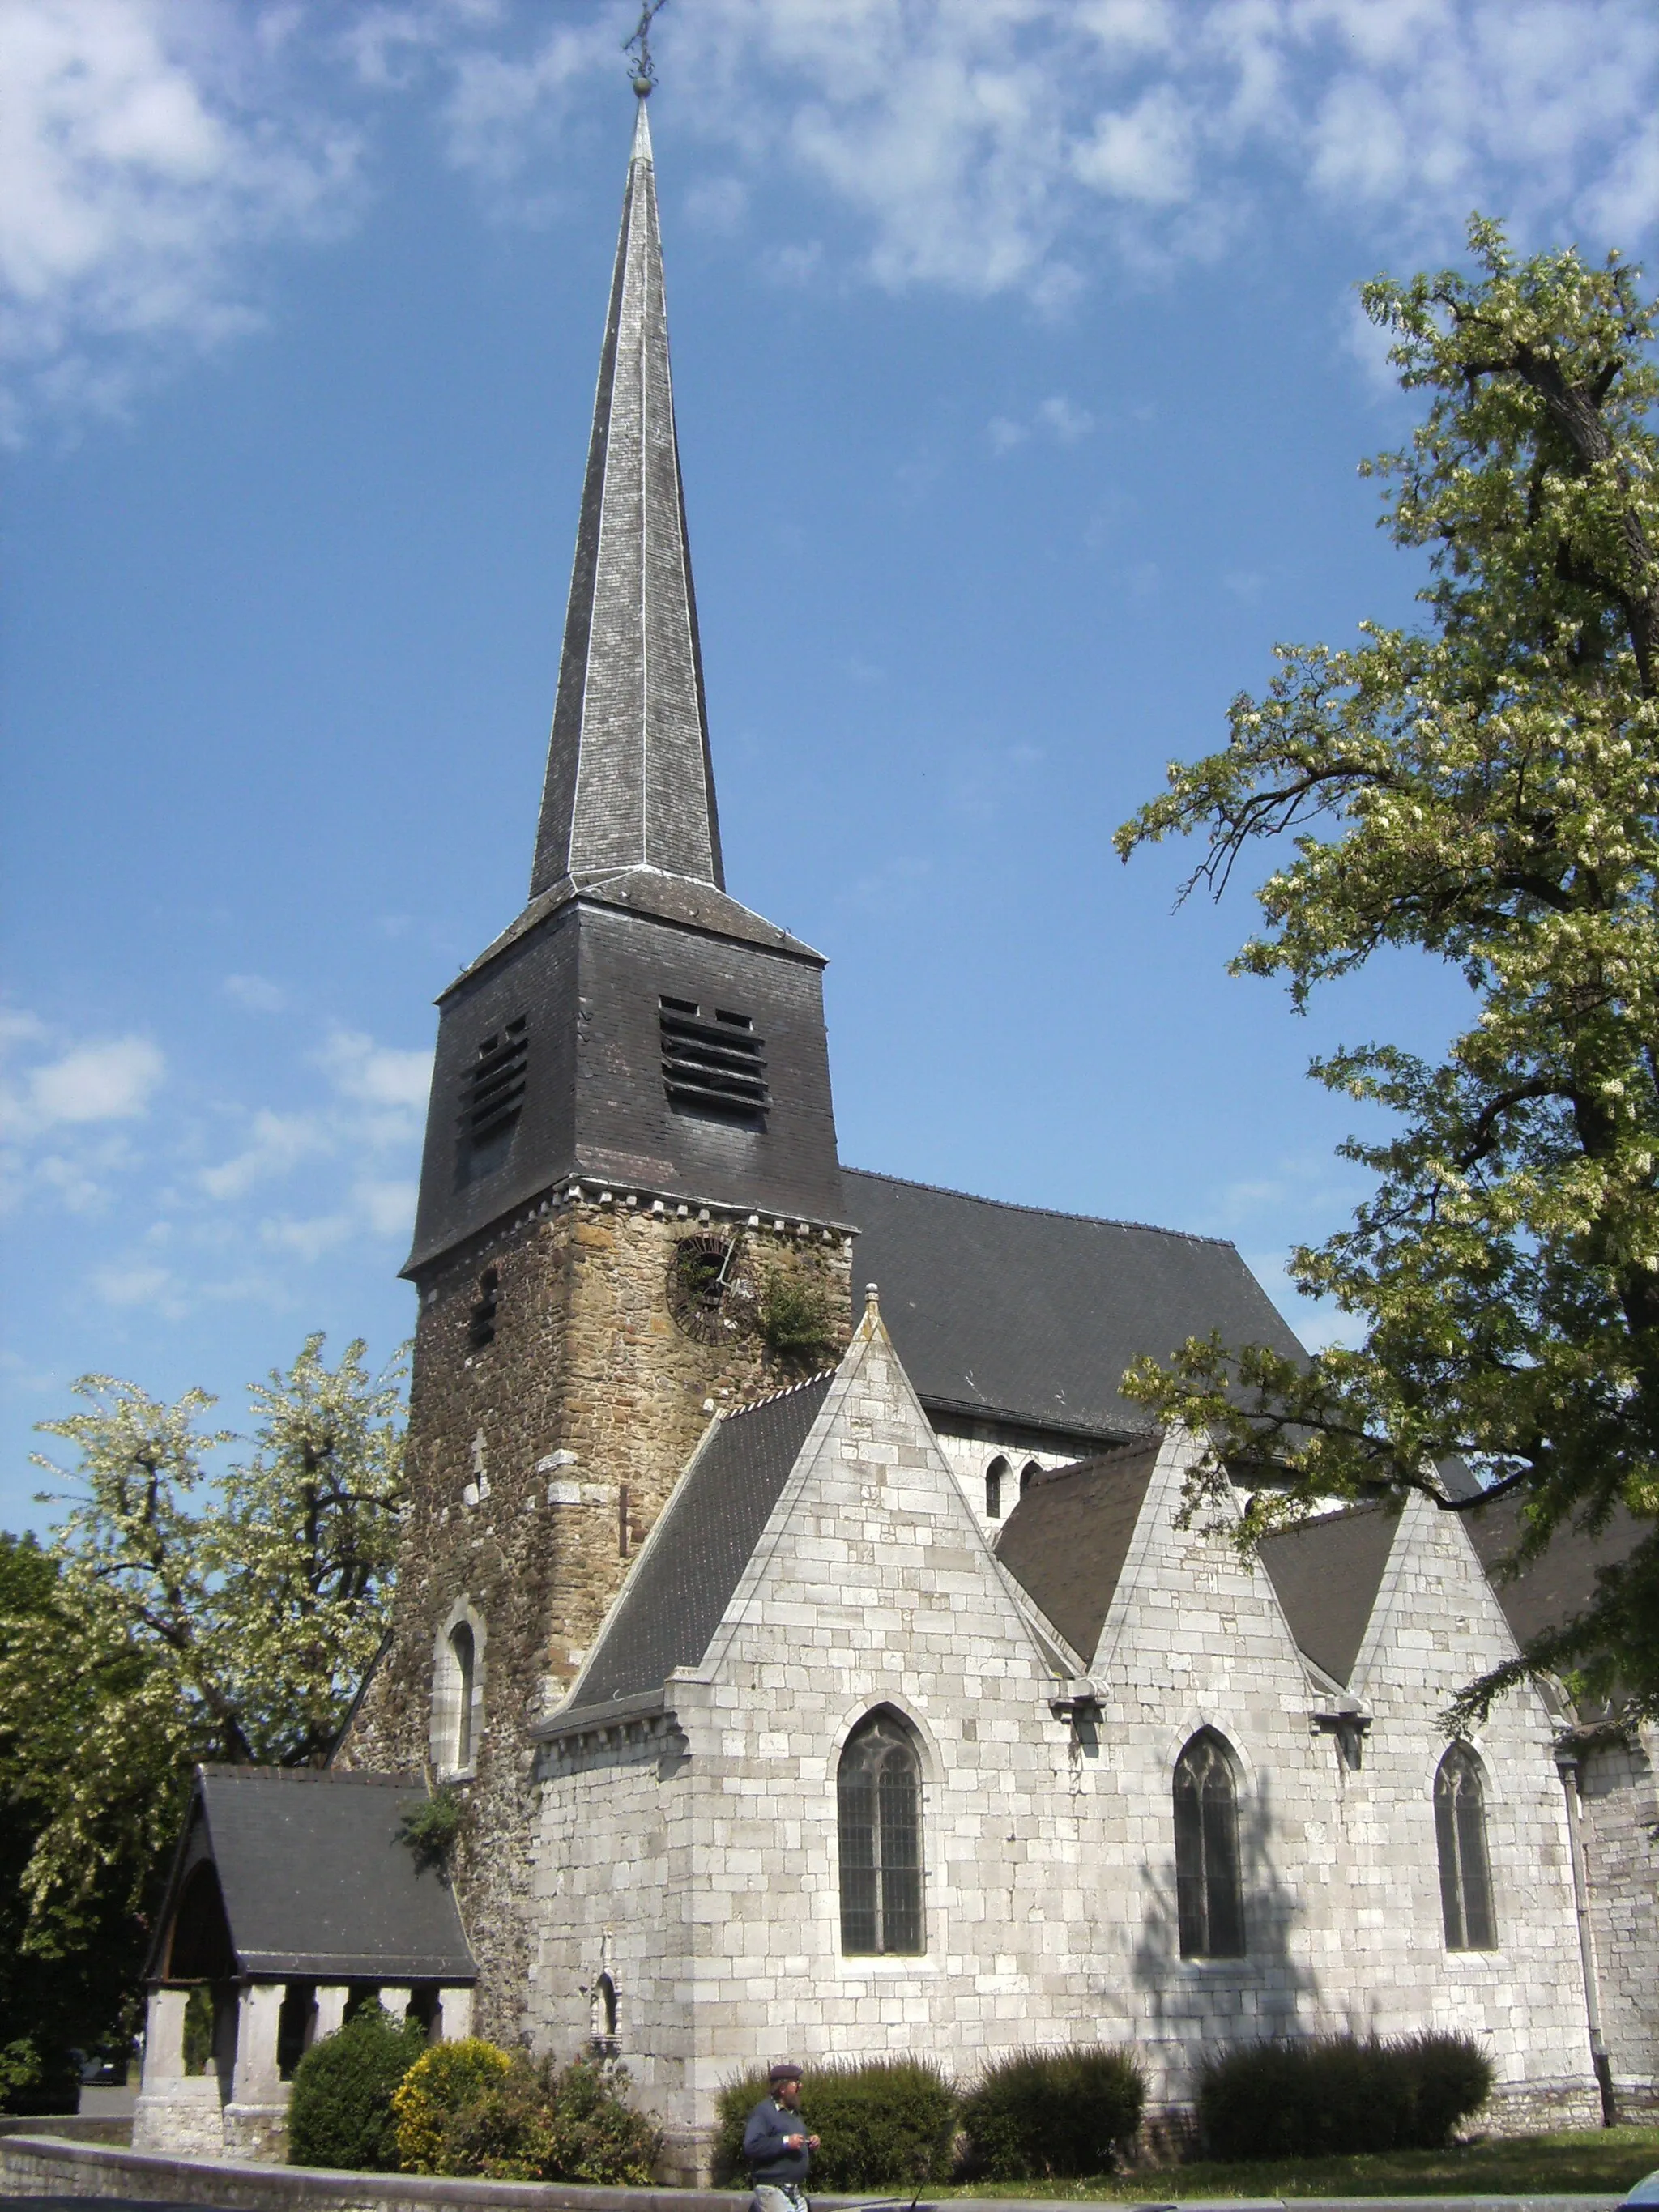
[777,2146]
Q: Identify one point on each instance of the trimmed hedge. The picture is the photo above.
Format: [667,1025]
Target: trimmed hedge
[888,2123]
[340,2112]
[1049,2114]
[1336,2094]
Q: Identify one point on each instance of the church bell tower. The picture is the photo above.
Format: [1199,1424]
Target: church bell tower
[630,1208]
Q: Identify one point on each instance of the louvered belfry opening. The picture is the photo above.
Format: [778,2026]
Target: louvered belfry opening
[493,1098]
[713,1063]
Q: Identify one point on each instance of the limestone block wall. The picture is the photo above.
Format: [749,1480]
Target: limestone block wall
[711,1870]
[538,1461]
[1618,1796]
[1436,1625]
[1194,1639]
[971,1446]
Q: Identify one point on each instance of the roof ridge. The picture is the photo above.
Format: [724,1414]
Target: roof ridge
[1053,1213]
[1355,1512]
[771,1398]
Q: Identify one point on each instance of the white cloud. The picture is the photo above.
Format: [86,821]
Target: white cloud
[108,1082]
[387,1208]
[145,146]
[255,994]
[138,1284]
[278,1142]
[1067,421]
[377,1075]
[150,149]
[1057,416]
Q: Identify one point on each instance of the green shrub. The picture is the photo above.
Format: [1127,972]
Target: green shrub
[444,2081]
[887,2123]
[507,2120]
[1334,2095]
[1450,2079]
[592,2133]
[796,1316]
[340,2112]
[1043,2114]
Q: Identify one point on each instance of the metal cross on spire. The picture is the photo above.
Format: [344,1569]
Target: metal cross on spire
[645,73]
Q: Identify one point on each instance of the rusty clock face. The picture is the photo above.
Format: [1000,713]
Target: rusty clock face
[706,1296]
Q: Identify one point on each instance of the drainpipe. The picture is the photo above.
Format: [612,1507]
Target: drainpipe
[1566,1765]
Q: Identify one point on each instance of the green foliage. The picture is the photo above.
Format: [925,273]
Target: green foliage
[1334,2095]
[67,1978]
[887,2123]
[795,1314]
[339,2114]
[442,2081]
[485,2112]
[1485,789]
[431,1828]
[199,2030]
[1044,2114]
[193,1615]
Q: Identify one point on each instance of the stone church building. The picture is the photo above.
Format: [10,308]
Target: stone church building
[826,1670]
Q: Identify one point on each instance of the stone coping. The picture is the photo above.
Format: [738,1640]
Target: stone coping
[44,2167]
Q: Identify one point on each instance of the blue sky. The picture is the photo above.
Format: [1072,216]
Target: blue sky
[1020,388]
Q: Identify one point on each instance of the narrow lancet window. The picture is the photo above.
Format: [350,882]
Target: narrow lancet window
[1460,1828]
[995,1475]
[1209,1899]
[879,1805]
[461,1643]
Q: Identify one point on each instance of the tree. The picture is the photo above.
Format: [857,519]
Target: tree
[188,1616]
[1482,788]
[65,1989]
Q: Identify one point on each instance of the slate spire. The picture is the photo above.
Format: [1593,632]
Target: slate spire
[629,781]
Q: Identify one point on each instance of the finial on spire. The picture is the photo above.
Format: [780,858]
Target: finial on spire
[645,73]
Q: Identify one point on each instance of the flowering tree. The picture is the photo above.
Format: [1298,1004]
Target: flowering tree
[1484,787]
[182,1613]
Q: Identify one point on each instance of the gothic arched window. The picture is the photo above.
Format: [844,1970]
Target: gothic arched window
[1460,1830]
[995,1475]
[878,1794]
[1028,1475]
[465,1651]
[1208,1897]
[457,1692]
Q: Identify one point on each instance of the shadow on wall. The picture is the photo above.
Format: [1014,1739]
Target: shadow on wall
[1198,2002]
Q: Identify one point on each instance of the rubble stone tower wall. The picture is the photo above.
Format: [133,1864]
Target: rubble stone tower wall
[536,1463]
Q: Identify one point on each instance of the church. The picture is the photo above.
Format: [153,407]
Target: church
[803,1618]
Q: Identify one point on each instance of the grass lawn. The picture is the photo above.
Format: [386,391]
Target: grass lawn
[1591,2162]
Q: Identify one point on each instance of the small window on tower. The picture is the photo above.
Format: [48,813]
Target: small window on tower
[492,1098]
[481,1329]
[715,1068]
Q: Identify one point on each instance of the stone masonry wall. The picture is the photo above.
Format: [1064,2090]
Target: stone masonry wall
[1435,1625]
[1620,1796]
[537,1464]
[705,1862]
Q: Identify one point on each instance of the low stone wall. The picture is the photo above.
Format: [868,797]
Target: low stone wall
[79,2127]
[40,2165]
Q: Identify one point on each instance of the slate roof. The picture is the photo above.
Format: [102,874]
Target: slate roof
[1031,1317]
[1328,1573]
[629,781]
[1066,1541]
[316,1879]
[683,1582]
[1550,1591]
